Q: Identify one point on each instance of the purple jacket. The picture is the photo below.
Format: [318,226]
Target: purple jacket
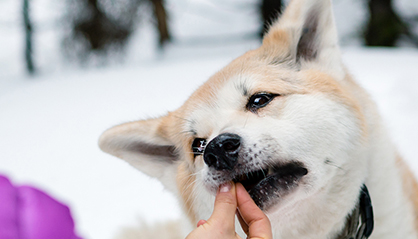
[28,213]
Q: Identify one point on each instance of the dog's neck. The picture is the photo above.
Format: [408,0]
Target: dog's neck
[359,223]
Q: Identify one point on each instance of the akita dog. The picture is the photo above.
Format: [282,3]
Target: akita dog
[288,122]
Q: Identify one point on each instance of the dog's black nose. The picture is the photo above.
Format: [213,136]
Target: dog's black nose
[222,151]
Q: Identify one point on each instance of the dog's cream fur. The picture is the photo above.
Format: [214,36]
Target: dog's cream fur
[322,118]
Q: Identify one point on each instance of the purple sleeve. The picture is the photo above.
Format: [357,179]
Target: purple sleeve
[8,210]
[28,213]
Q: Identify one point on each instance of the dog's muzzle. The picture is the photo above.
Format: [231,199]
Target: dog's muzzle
[266,181]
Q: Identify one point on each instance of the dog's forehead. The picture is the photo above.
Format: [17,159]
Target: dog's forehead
[248,74]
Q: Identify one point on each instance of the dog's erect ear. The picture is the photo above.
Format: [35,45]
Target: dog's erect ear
[145,145]
[308,30]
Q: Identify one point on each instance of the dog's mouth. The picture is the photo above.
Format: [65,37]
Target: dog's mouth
[265,186]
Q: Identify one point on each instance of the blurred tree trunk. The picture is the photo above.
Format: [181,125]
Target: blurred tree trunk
[160,15]
[100,30]
[384,26]
[28,37]
[270,10]
[93,27]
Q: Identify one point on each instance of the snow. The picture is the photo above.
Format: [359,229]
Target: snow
[50,123]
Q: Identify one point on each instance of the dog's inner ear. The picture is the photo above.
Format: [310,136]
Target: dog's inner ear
[308,44]
[162,152]
[136,142]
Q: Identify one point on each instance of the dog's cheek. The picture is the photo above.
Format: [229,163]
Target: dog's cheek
[319,174]
[186,180]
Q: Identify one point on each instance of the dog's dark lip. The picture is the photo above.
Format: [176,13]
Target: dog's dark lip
[272,182]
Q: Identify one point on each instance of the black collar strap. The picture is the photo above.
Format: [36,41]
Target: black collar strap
[360,223]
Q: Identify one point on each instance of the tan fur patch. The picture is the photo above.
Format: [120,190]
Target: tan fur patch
[163,127]
[276,43]
[170,127]
[186,183]
[410,186]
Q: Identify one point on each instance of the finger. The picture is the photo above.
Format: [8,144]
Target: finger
[201,222]
[225,206]
[243,224]
[258,223]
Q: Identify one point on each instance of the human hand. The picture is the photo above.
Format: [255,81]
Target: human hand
[221,224]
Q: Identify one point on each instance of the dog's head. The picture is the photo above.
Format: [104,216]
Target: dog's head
[281,119]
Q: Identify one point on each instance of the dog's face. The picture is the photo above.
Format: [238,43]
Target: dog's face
[280,119]
[270,127]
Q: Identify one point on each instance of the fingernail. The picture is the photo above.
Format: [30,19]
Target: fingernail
[201,222]
[225,187]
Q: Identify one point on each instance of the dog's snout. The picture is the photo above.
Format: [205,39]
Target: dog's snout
[222,151]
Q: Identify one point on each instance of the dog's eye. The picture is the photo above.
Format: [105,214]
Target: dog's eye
[259,100]
[198,146]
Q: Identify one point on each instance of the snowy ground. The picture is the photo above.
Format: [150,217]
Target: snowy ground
[49,124]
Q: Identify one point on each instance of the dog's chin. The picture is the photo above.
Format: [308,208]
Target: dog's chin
[267,186]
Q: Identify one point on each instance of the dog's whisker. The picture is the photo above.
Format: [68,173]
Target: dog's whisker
[245,122]
[199,153]
[194,195]
[187,132]
[261,169]
[190,197]
[184,119]
[330,163]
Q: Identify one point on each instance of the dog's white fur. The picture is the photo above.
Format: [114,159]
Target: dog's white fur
[321,118]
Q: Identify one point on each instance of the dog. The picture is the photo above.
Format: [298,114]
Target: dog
[287,121]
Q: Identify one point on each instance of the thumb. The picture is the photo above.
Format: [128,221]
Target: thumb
[257,222]
[225,207]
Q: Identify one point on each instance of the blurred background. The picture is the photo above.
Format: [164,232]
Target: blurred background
[71,69]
